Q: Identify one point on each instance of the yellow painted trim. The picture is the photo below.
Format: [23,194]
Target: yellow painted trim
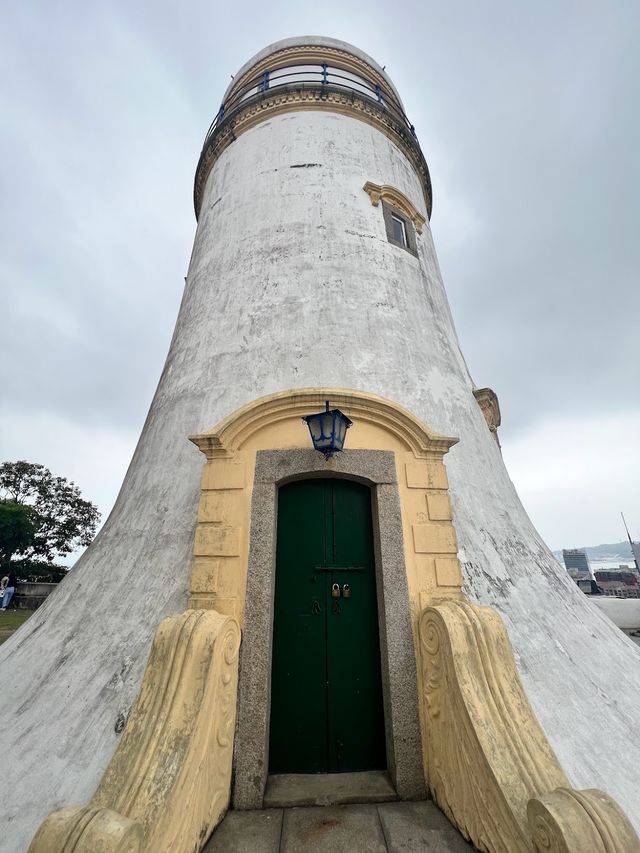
[487,760]
[168,783]
[221,549]
[487,399]
[233,432]
[570,821]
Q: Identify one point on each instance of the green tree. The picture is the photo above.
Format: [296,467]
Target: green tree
[17,529]
[62,520]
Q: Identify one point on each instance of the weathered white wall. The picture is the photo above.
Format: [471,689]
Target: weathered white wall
[293,284]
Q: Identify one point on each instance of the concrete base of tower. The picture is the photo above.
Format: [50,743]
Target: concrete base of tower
[457,719]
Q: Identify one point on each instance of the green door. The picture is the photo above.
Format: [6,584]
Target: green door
[326,693]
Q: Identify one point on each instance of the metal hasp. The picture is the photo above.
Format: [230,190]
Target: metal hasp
[328,430]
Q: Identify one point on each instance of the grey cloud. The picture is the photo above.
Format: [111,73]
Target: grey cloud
[526,114]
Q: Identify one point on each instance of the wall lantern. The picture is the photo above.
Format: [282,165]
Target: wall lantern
[328,430]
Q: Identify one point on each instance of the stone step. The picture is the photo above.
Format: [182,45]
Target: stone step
[327,789]
[418,827]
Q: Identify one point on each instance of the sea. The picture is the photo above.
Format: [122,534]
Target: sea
[607,565]
[604,565]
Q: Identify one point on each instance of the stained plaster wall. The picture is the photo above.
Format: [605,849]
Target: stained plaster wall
[293,283]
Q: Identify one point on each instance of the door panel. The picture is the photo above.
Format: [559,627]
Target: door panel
[298,674]
[326,704]
[355,721]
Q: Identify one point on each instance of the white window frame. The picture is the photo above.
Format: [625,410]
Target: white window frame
[404,241]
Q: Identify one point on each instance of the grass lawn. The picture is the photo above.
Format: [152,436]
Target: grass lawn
[10,621]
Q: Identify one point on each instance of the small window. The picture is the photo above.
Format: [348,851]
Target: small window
[399,230]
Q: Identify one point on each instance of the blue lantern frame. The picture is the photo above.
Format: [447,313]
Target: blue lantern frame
[328,430]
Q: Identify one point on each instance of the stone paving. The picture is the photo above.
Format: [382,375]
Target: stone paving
[366,828]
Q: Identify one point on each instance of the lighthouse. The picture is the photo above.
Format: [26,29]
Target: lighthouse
[255,606]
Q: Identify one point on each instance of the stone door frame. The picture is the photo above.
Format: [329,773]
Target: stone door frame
[377,469]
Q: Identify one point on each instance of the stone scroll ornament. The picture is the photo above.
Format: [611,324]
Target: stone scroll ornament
[489,765]
[168,783]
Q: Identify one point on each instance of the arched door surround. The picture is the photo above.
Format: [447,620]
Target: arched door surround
[250,455]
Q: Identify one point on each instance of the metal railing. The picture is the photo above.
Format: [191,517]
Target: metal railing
[308,76]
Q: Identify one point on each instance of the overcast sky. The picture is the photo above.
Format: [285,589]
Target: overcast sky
[528,115]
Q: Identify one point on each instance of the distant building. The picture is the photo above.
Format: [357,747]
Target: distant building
[620,583]
[588,586]
[576,562]
[622,575]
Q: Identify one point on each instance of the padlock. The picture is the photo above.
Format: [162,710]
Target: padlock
[346,591]
[335,590]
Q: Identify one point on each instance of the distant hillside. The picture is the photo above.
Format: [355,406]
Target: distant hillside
[615,551]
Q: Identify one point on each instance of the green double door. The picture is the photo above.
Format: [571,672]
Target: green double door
[326,693]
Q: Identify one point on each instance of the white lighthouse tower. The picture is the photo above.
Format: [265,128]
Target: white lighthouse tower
[253,606]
